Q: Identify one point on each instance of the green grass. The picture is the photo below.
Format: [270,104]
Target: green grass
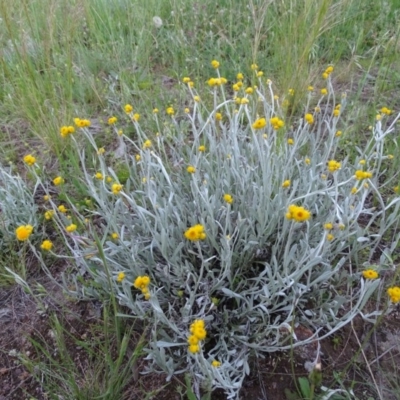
[67,58]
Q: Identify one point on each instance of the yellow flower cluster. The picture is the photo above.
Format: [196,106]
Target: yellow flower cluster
[191,169]
[336,111]
[170,111]
[198,333]
[142,283]
[23,232]
[195,233]
[67,130]
[259,123]
[116,188]
[47,245]
[276,123]
[112,120]
[360,175]
[394,294]
[327,72]
[309,119]
[217,81]
[298,214]
[81,123]
[228,198]
[49,214]
[120,277]
[216,364]
[71,228]
[58,181]
[333,165]
[29,159]
[128,108]
[385,110]
[215,64]
[286,183]
[147,144]
[370,274]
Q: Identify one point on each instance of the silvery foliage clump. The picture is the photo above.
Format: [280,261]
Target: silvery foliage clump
[258,275]
[17,205]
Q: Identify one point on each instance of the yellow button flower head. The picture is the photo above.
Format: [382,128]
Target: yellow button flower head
[49,214]
[228,198]
[385,110]
[46,197]
[186,79]
[137,157]
[330,237]
[197,99]
[46,245]
[260,74]
[218,116]
[215,64]
[329,70]
[120,277]
[336,113]
[202,148]
[249,90]
[194,348]
[239,76]
[187,110]
[170,111]
[276,123]
[370,274]
[324,91]
[298,214]
[333,165]
[115,235]
[192,340]
[23,232]
[290,141]
[307,161]
[309,119]
[360,175]
[155,110]
[29,159]
[147,144]
[112,120]
[142,283]
[82,123]
[99,175]
[328,226]
[291,92]
[325,75]
[310,88]
[216,364]
[254,67]
[62,209]
[128,108]
[58,181]
[71,228]
[259,123]
[338,133]
[66,130]
[394,294]
[195,233]
[116,188]
[191,169]
[286,183]
[101,151]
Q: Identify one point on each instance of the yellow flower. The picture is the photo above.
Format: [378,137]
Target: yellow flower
[101,151]
[286,183]
[330,237]
[116,188]
[194,348]
[195,233]
[109,179]
[362,162]
[359,175]
[260,74]
[193,340]
[378,117]
[353,190]
[329,70]
[260,123]
[333,165]
[396,189]
[235,87]
[215,64]
[136,117]
[325,75]
[216,364]
[120,277]
[71,228]
[187,110]
[46,245]
[196,99]
[370,274]
[390,156]
[81,123]
[310,88]
[338,133]
[142,283]
[239,76]
[120,132]
[147,144]
[317,109]
[66,130]
[254,67]
[58,181]
[99,175]
[191,169]
[112,120]
[62,209]
[307,161]
[386,110]
[186,79]
[336,113]
[276,123]
[49,214]
[244,100]
[202,148]
[128,108]
[115,236]
[290,141]
[394,294]
[155,110]
[299,214]
[228,198]
[309,119]
[29,159]
[170,111]
[291,92]
[328,226]
[324,91]
[46,197]
[23,232]
[249,90]
[137,157]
